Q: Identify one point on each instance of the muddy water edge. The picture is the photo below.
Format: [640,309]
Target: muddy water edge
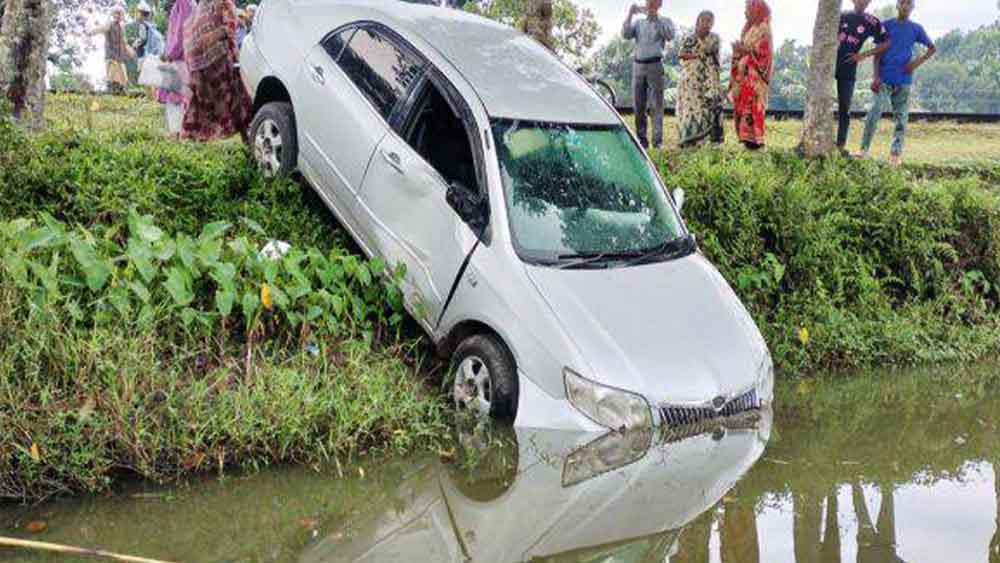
[879,467]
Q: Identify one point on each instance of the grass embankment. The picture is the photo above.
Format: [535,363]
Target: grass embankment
[141,331]
[136,332]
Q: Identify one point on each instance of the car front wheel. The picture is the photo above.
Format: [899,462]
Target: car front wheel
[273,139]
[485,377]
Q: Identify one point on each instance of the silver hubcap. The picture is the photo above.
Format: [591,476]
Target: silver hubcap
[267,147]
[473,389]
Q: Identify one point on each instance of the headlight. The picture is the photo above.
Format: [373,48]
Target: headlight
[607,406]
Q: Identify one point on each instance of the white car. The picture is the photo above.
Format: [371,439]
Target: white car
[543,253]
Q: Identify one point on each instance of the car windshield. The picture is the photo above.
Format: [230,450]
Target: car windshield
[580,191]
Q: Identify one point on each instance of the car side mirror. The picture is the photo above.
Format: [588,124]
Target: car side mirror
[679,199]
[471,207]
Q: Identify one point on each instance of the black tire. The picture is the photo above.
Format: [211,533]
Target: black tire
[274,119]
[502,370]
[606,92]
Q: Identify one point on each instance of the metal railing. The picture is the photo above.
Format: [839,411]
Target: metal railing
[914,115]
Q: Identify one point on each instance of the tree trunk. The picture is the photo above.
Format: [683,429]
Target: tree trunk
[538,21]
[817,127]
[24,44]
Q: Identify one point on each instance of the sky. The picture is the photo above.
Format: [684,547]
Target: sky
[793,19]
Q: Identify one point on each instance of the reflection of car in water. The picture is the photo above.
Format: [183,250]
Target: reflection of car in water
[542,251]
[556,496]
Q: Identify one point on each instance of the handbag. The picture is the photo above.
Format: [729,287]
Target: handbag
[151,72]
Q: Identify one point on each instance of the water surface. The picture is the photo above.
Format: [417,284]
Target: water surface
[898,467]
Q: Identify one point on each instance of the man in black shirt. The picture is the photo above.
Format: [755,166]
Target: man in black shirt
[856,27]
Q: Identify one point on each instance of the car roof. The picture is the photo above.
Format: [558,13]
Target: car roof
[514,76]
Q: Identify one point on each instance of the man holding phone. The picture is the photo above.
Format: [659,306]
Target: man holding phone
[651,35]
[856,27]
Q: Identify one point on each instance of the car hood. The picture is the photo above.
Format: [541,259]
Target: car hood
[673,331]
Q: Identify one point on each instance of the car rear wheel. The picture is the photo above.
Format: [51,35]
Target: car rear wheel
[485,377]
[273,139]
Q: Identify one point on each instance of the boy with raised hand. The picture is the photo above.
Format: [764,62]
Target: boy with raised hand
[856,27]
[894,77]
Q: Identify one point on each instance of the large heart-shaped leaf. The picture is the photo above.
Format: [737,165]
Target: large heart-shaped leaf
[178,284]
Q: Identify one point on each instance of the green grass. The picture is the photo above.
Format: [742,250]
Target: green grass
[941,143]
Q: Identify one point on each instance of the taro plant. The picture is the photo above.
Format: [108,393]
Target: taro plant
[214,283]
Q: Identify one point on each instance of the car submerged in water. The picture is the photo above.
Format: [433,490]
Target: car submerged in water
[543,253]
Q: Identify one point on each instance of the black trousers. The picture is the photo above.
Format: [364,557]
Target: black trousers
[845,94]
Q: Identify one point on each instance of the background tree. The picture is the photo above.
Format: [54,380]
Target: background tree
[817,126]
[538,22]
[573,30]
[24,45]
[791,69]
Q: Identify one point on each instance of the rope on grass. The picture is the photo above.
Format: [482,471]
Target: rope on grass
[71,550]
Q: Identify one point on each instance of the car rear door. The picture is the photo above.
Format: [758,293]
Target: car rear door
[404,197]
[352,87]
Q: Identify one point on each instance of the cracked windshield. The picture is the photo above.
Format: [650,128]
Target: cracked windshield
[580,191]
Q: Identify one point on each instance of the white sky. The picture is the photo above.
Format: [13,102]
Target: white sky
[793,19]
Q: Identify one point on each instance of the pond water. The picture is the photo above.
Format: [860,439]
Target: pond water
[899,467]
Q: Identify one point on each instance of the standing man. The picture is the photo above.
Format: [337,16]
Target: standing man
[116,51]
[894,77]
[650,35]
[856,27]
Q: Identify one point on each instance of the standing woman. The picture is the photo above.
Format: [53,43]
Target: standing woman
[699,104]
[751,74]
[175,102]
[219,105]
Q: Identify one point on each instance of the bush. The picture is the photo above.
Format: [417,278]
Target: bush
[846,264]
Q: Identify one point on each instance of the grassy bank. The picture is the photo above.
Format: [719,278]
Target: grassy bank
[142,331]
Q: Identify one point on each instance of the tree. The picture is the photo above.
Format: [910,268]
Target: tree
[538,22]
[24,45]
[791,69]
[817,126]
[572,30]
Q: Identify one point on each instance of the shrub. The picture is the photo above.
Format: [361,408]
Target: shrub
[877,268]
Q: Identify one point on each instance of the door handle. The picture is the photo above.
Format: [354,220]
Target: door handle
[317,74]
[393,159]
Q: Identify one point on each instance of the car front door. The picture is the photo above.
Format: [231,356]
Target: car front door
[404,195]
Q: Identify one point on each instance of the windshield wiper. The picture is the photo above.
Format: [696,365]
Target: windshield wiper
[670,250]
[584,259]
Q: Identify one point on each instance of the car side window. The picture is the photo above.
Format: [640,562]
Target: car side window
[438,133]
[335,43]
[381,70]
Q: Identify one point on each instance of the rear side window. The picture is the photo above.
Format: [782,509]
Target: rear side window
[382,71]
[334,44]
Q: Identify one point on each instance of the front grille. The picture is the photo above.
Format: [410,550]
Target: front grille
[682,416]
